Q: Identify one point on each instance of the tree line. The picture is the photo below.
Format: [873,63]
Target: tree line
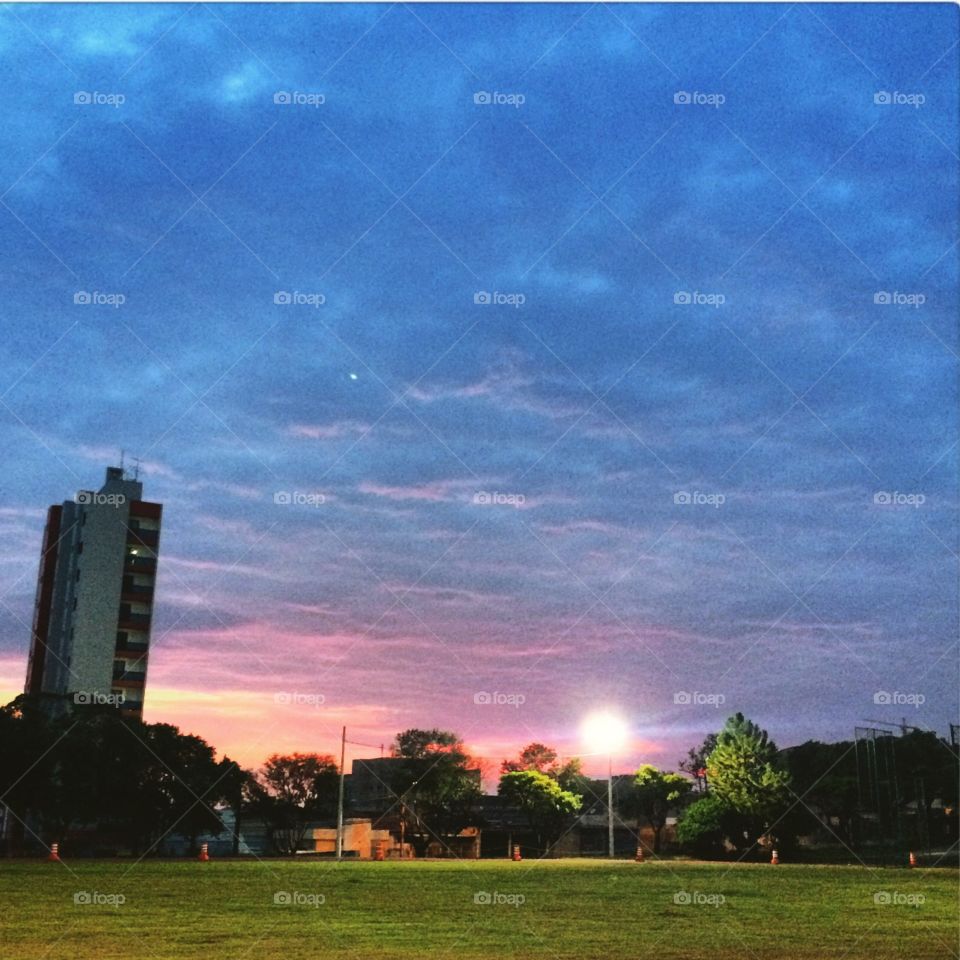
[105,781]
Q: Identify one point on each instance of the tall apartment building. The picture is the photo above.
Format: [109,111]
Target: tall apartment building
[94,602]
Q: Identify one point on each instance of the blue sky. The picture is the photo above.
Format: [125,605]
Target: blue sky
[688,304]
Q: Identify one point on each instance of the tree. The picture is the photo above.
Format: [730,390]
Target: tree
[824,776]
[183,777]
[87,775]
[235,782]
[543,759]
[928,769]
[745,773]
[295,789]
[654,794]
[437,784]
[695,762]
[27,735]
[534,756]
[705,824]
[85,768]
[547,806]
[571,777]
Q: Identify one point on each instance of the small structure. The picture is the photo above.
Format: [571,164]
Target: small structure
[360,840]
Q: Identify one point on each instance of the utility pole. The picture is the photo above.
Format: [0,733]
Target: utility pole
[610,806]
[343,760]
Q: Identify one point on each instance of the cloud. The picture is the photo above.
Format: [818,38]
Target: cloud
[440,491]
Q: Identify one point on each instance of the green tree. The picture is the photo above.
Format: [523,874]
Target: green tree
[653,794]
[571,777]
[547,806]
[705,824]
[745,774]
[543,759]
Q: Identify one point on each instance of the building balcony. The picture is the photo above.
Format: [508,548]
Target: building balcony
[133,621]
[137,594]
[144,508]
[131,649]
[143,538]
[140,564]
[131,678]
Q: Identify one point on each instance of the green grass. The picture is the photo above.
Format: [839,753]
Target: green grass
[571,909]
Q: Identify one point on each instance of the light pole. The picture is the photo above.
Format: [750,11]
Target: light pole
[610,806]
[343,760]
[606,733]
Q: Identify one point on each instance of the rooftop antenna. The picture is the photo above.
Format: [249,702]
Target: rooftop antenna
[136,467]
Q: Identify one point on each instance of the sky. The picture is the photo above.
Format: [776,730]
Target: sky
[496,364]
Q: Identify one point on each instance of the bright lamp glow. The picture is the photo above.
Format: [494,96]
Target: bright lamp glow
[604,733]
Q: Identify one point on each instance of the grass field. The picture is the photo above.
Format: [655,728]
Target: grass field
[553,909]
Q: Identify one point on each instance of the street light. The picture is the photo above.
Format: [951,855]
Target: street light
[606,733]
